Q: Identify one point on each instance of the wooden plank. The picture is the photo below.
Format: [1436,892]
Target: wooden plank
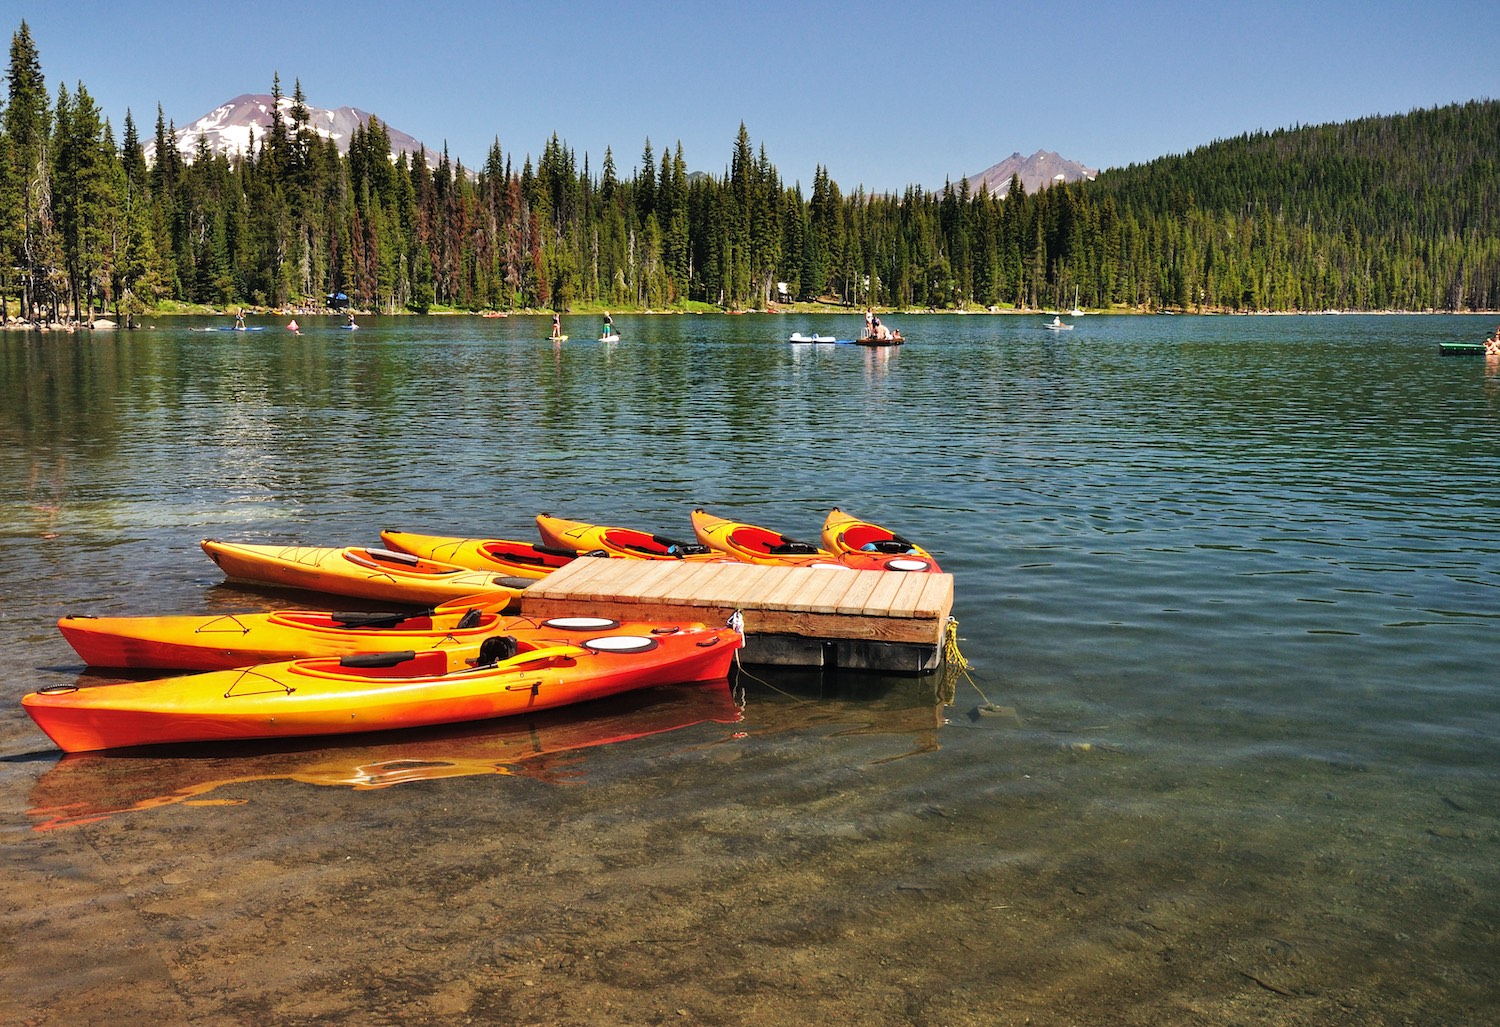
[839,626]
[689,584]
[937,596]
[781,591]
[743,583]
[644,583]
[856,600]
[835,587]
[812,585]
[892,584]
[909,601]
[602,583]
[756,583]
[569,576]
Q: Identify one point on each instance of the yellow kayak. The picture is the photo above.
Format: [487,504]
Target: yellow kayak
[359,571]
[845,533]
[222,641]
[582,537]
[502,556]
[751,543]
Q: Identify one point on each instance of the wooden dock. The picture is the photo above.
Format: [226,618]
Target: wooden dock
[798,616]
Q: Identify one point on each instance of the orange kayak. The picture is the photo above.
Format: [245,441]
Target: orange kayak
[751,543]
[581,537]
[502,556]
[222,641]
[365,573]
[372,692]
[845,533]
[86,788]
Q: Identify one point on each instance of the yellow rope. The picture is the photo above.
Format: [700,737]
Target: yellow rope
[956,664]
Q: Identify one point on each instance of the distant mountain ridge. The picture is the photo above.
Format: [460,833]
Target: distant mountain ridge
[1040,170]
[230,128]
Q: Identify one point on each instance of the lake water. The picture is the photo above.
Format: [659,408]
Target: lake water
[1230,589]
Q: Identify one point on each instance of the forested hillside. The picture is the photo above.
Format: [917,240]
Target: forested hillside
[1382,213]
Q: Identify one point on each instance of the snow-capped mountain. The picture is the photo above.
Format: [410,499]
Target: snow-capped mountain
[1038,171]
[228,128]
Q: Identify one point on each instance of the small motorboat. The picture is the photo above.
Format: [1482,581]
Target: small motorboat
[1057,325]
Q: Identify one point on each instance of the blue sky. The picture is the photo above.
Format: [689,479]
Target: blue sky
[883,94]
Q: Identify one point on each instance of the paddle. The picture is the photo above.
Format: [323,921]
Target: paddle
[470,619]
[374,620]
[377,659]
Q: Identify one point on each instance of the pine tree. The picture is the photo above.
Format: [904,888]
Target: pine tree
[28,210]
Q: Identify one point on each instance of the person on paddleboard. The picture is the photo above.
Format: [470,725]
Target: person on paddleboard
[557,326]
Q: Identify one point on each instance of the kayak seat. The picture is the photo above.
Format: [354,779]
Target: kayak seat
[495,649]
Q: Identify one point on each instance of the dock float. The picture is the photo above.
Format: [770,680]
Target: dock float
[794,616]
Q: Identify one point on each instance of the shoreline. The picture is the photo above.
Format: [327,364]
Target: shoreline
[801,310]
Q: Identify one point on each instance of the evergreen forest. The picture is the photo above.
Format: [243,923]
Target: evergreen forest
[1384,213]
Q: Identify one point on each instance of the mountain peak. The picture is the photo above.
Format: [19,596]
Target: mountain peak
[1042,169]
[234,127]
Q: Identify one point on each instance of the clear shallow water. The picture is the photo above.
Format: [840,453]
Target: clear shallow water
[1235,578]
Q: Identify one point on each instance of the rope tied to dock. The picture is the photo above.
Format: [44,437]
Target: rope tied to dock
[956,665]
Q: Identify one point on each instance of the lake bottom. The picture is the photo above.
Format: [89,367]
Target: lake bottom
[777,853]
